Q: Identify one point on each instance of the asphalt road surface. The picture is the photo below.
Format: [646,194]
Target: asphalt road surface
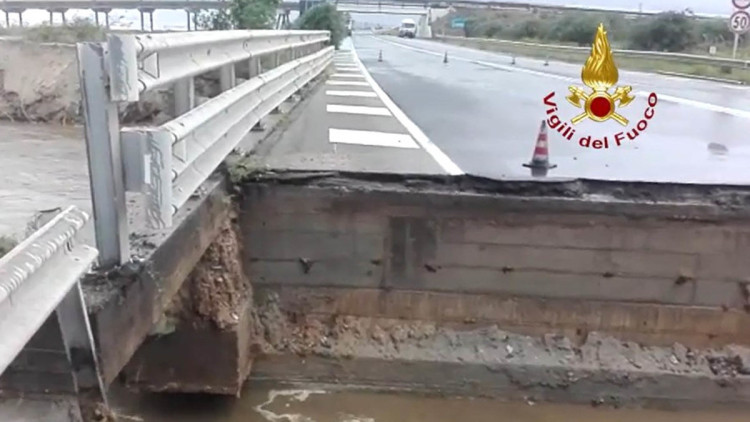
[485,113]
[349,123]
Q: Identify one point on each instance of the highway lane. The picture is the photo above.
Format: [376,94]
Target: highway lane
[485,114]
[349,123]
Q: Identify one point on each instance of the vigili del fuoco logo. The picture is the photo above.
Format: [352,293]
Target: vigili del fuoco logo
[600,75]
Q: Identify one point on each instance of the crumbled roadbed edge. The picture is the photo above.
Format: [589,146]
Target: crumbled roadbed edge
[489,362]
[728,198]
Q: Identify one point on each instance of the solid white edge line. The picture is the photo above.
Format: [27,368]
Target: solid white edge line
[698,104]
[436,153]
[348,75]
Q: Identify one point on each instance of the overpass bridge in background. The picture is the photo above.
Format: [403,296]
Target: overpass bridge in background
[105,7]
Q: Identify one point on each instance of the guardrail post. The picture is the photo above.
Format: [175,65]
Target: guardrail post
[79,346]
[227,77]
[102,132]
[184,101]
[255,69]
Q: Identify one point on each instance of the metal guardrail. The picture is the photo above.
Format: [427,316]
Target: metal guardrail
[166,164]
[40,276]
[585,51]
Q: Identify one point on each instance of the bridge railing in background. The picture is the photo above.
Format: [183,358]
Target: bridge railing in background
[519,47]
[166,164]
[40,276]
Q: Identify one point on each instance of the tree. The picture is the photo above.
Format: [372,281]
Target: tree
[576,29]
[253,14]
[216,20]
[325,16]
[242,14]
[667,32]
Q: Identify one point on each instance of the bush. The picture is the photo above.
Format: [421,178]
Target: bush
[215,20]
[253,14]
[530,28]
[715,32]
[325,17]
[77,30]
[6,245]
[668,32]
[575,29]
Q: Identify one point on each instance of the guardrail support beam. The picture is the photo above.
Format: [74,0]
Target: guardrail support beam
[184,101]
[104,158]
[227,77]
[79,346]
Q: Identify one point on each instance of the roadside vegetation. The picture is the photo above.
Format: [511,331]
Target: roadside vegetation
[666,32]
[78,29]
[670,31]
[6,245]
[325,16]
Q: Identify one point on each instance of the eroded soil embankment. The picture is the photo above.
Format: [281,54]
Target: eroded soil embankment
[40,83]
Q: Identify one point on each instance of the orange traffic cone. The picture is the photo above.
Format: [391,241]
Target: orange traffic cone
[540,160]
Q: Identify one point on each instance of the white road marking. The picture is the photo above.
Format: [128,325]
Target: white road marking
[347,68]
[366,137]
[350,83]
[367,94]
[437,154]
[509,68]
[347,75]
[706,106]
[348,109]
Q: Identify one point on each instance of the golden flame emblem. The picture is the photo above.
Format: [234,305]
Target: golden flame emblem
[600,74]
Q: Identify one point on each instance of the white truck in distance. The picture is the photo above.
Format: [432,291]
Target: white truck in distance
[408,28]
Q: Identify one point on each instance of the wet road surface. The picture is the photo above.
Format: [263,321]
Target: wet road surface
[485,114]
[262,404]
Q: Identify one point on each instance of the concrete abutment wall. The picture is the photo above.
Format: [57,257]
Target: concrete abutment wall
[647,271]
[565,290]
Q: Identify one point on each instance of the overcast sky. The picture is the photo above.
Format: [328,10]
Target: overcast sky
[169,19]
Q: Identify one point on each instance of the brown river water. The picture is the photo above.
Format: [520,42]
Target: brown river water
[264,404]
[41,167]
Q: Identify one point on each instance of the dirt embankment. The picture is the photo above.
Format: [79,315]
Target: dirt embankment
[217,289]
[39,83]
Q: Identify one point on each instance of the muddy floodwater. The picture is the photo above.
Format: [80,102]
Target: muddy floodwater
[312,404]
[43,167]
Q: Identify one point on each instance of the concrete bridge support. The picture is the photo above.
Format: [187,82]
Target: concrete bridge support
[150,13]
[188,12]
[106,16]
[7,16]
[424,29]
[52,15]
